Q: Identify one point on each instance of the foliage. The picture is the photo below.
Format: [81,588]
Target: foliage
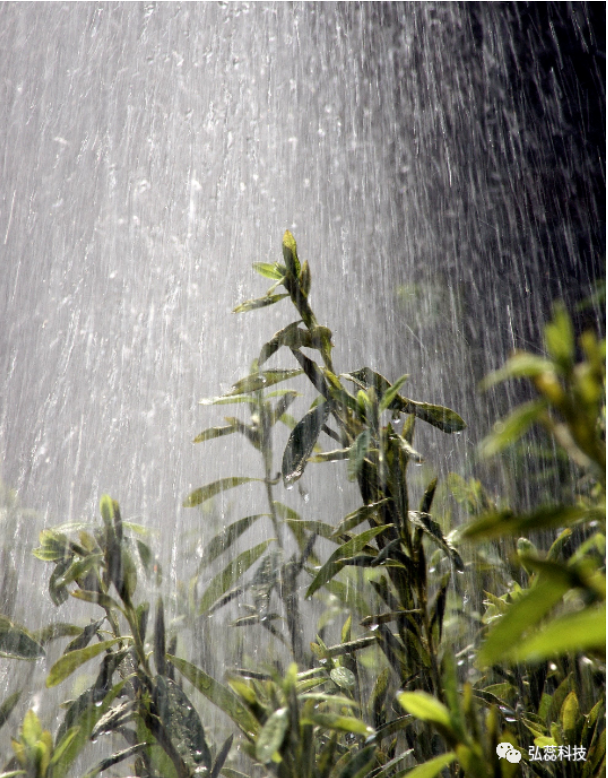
[405,691]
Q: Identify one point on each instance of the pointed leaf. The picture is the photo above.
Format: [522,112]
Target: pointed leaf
[66,664]
[7,707]
[337,560]
[214,432]
[219,695]
[17,642]
[301,442]
[443,418]
[259,302]
[224,540]
[269,270]
[225,580]
[257,381]
[392,393]
[425,707]
[357,517]
[272,735]
[182,723]
[510,429]
[431,768]
[199,496]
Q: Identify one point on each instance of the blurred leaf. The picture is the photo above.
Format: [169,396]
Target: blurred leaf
[98,598]
[506,635]
[227,400]
[429,769]
[301,442]
[230,574]
[337,722]
[521,365]
[66,664]
[17,642]
[272,735]
[221,757]
[268,270]
[290,254]
[336,561]
[214,432]
[257,381]
[259,302]
[7,707]
[559,337]
[223,540]
[500,523]
[510,429]
[336,455]
[570,634]
[343,677]
[199,496]
[219,695]
[120,756]
[426,708]
[359,764]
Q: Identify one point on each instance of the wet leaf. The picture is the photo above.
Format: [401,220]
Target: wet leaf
[335,455]
[225,580]
[120,756]
[224,540]
[290,254]
[221,757]
[227,400]
[358,452]
[259,302]
[443,418]
[521,365]
[219,695]
[204,493]
[359,764]
[302,441]
[182,723]
[291,336]
[98,598]
[257,381]
[392,393]
[500,523]
[343,677]
[66,664]
[337,560]
[355,518]
[272,735]
[17,642]
[159,638]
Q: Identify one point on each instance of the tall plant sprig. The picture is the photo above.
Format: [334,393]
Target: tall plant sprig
[378,456]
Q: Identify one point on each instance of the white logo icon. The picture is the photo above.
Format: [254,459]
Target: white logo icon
[508,752]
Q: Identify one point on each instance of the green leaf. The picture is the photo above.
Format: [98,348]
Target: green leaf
[199,496]
[219,695]
[336,455]
[504,638]
[230,399]
[223,581]
[290,253]
[510,429]
[343,677]
[215,432]
[570,634]
[392,393]
[429,769]
[272,735]
[302,441]
[443,418]
[291,336]
[336,561]
[360,763]
[17,642]
[7,707]
[426,708]
[364,513]
[181,722]
[98,598]
[497,524]
[268,270]
[259,302]
[257,381]
[66,664]
[358,452]
[521,365]
[559,337]
[223,540]
[337,722]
